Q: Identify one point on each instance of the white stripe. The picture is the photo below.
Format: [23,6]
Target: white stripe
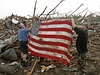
[55,33]
[56,26]
[46,21]
[52,39]
[50,46]
[50,53]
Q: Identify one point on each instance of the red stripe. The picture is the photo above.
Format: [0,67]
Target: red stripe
[51,57]
[55,36]
[57,22]
[50,50]
[56,29]
[42,42]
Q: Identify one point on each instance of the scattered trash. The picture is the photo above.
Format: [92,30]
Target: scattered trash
[46,68]
[14,21]
[14,63]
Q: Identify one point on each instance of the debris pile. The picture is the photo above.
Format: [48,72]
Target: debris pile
[10,53]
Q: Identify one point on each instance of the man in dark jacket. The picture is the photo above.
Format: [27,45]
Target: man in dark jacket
[81,43]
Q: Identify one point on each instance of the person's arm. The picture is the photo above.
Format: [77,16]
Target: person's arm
[30,26]
[73,23]
[76,29]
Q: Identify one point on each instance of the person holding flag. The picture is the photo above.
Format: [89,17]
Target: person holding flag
[23,39]
[81,43]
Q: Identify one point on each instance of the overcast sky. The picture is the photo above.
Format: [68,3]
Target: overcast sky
[26,7]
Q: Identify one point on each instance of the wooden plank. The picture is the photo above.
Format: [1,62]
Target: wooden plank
[32,68]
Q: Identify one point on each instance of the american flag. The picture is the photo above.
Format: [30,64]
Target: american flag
[53,40]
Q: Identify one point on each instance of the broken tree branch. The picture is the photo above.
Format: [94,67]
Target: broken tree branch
[76,9]
[54,8]
[43,11]
[82,17]
[82,11]
[34,11]
[68,12]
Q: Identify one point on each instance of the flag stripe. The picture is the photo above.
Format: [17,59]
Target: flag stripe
[49,54]
[48,46]
[49,50]
[56,22]
[50,43]
[55,29]
[55,36]
[52,40]
[51,57]
[57,26]
[57,33]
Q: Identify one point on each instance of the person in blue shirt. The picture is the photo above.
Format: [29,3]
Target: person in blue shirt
[23,39]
